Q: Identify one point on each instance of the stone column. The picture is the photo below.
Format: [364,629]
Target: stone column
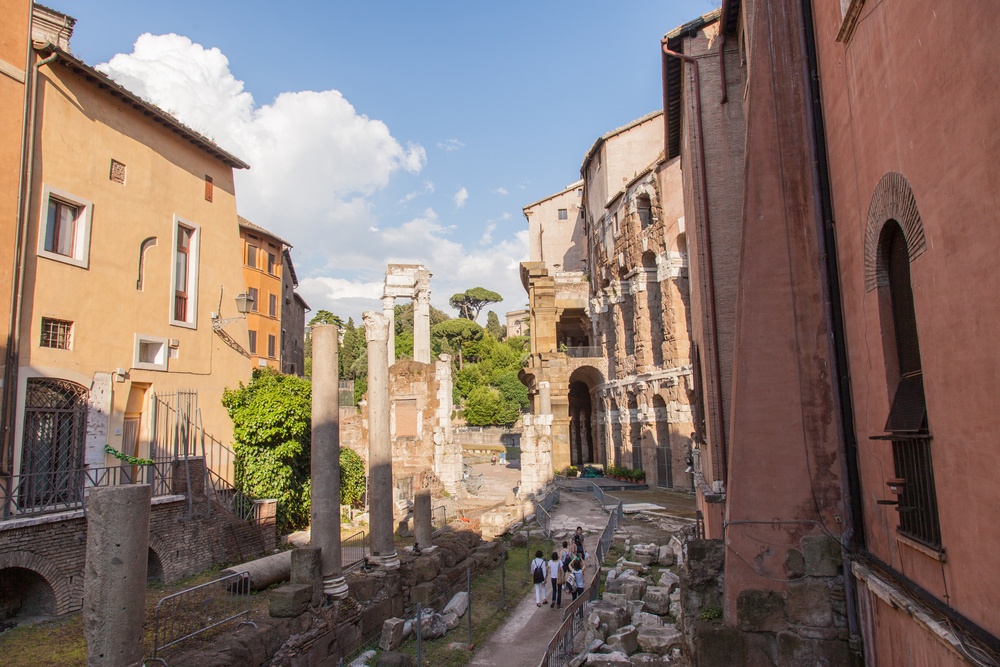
[422,528]
[379,444]
[544,398]
[422,327]
[389,311]
[325,472]
[114,581]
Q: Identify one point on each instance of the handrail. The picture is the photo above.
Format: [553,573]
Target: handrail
[63,490]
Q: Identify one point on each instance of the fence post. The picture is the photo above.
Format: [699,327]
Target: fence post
[468,584]
[503,574]
[527,550]
[417,623]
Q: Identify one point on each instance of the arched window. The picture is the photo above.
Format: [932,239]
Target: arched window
[645,210]
[907,425]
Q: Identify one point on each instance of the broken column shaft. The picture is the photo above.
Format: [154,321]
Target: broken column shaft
[325,472]
[422,528]
[422,327]
[379,444]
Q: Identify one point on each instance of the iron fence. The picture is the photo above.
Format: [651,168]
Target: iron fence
[584,352]
[229,497]
[190,612]
[439,516]
[62,490]
[353,550]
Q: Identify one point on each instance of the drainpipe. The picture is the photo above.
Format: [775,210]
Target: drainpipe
[853,534]
[25,192]
[709,271]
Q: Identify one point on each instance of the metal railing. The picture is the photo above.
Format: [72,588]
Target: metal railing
[353,550]
[543,511]
[190,612]
[561,648]
[230,498]
[439,516]
[62,490]
[584,352]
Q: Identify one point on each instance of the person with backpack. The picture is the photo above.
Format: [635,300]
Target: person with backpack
[566,556]
[558,577]
[538,571]
[578,542]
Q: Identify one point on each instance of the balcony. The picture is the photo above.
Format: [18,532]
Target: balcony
[584,352]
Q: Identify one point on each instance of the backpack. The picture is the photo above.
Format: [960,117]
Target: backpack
[538,573]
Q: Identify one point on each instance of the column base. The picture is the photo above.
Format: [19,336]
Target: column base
[388,561]
[335,587]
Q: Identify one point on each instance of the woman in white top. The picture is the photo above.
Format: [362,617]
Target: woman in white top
[539,573]
[556,575]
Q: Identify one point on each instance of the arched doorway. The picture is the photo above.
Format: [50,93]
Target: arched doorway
[584,407]
[24,594]
[55,431]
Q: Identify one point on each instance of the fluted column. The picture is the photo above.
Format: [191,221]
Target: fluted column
[422,327]
[325,471]
[383,551]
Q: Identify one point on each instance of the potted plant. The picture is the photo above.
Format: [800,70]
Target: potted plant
[640,476]
[572,471]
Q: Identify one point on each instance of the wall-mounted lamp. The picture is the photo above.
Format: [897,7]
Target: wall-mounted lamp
[244,304]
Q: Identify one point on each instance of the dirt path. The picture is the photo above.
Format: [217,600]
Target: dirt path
[522,639]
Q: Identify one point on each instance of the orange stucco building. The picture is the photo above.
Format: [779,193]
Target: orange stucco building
[263,268]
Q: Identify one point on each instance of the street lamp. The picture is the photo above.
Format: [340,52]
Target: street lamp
[244,304]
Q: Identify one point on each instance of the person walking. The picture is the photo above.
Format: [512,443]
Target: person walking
[577,569]
[558,577]
[578,542]
[566,556]
[538,576]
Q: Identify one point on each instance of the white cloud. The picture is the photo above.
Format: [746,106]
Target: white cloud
[450,145]
[461,197]
[501,191]
[487,237]
[428,189]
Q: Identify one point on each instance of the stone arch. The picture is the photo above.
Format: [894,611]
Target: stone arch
[634,432]
[892,199]
[34,581]
[161,555]
[585,407]
[654,306]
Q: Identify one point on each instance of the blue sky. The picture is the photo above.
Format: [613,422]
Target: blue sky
[449,118]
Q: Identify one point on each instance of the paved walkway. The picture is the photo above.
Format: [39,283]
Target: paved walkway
[522,639]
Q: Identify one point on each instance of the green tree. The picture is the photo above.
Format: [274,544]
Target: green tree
[494,327]
[471,302]
[457,333]
[326,317]
[352,477]
[271,431]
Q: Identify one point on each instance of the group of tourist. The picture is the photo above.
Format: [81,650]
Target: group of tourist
[563,570]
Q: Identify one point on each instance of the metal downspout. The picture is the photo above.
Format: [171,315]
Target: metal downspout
[709,270]
[25,192]
[827,240]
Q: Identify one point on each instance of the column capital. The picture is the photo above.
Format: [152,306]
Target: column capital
[376,326]
[388,302]
[423,297]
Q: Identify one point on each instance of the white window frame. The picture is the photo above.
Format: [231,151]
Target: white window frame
[193,255]
[151,366]
[81,245]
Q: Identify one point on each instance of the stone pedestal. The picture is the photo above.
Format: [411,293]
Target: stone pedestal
[383,551]
[325,472]
[114,583]
[422,527]
[536,454]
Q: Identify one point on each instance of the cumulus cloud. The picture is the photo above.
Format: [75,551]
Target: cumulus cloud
[487,237]
[316,163]
[501,191]
[450,145]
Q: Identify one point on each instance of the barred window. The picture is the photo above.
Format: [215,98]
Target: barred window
[56,334]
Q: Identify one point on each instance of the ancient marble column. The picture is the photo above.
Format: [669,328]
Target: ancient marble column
[422,327]
[422,518]
[544,398]
[114,580]
[325,509]
[383,551]
[389,311]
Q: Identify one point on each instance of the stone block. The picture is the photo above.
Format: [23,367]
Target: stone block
[392,634]
[634,590]
[433,626]
[290,600]
[458,646]
[618,599]
[650,660]
[425,568]
[634,566]
[823,557]
[794,651]
[657,600]
[422,593]
[644,618]
[660,640]
[633,607]
[760,611]
[809,604]
[307,568]
[606,613]
[625,640]
[364,659]
[450,620]
[616,659]
[665,556]
[458,604]
[393,659]
[795,564]
[717,646]
[669,580]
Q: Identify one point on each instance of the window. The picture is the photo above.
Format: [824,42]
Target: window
[185,278]
[209,188]
[563,214]
[907,422]
[252,256]
[253,341]
[645,210]
[57,334]
[150,353]
[255,295]
[272,305]
[271,343]
[64,234]
[271,263]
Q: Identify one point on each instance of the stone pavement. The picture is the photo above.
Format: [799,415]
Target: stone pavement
[523,637]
